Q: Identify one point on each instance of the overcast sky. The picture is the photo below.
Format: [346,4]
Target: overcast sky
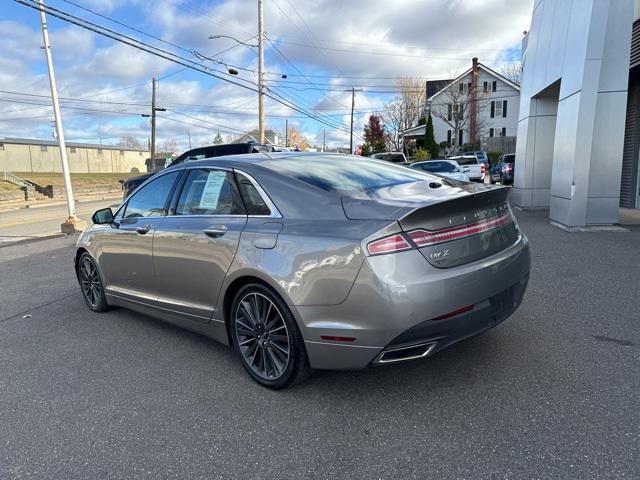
[325,47]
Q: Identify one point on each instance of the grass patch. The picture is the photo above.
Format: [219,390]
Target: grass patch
[82,180]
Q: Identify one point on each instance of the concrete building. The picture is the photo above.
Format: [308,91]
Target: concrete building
[27,155]
[460,117]
[571,145]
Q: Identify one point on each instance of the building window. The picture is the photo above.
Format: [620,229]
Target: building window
[460,137]
[99,151]
[504,131]
[485,87]
[491,133]
[498,109]
[1,146]
[504,108]
[43,148]
[139,154]
[449,137]
[493,110]
[450,112]
[121,152]
[494,86]
[461,87]
[72,149]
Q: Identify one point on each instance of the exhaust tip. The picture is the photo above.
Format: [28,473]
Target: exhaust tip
[402,354]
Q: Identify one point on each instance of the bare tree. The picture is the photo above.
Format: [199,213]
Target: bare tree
[512,71]
[170,146]
[129,141]
[455,108]
[405,109]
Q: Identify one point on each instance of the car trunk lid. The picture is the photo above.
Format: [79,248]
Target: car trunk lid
[450,224]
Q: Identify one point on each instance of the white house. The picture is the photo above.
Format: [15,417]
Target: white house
[580,86]
[458,114]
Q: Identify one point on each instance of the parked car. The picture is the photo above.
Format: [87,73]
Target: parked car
[480,155]
[508,168]
[303,261]
[502,171]
[395,157]
[443,168]
[477,168]
[131,184]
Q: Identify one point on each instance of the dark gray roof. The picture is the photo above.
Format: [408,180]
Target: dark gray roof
[434,86]
[54,143]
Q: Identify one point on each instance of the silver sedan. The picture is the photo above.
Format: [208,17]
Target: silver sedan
[309,261]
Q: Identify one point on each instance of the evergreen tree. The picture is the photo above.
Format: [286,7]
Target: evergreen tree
[429,139]
[217,140]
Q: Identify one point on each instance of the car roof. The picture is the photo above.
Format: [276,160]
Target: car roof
[231,161]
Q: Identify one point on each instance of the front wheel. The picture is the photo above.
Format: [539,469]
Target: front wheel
[267,338]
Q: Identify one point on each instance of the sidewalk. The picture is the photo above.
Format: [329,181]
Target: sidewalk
[10,205]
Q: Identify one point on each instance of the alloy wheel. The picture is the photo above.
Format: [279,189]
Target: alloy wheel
[90,282]
[262,335]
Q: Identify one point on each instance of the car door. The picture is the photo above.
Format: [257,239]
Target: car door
[126,246]
[196,243]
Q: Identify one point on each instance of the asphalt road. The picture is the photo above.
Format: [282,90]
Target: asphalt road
[37,221]
[551,393]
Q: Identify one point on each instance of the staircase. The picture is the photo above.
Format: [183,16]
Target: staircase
[31,189]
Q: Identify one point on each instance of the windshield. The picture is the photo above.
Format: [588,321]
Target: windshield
[437,167]
[345,173]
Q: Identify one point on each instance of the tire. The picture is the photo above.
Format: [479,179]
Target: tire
[91,284]
[267,339]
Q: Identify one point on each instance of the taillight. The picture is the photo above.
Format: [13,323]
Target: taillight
[510,168]
[392,243]
[483,168]
[424,238]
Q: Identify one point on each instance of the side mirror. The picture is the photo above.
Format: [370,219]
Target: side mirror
[102,216]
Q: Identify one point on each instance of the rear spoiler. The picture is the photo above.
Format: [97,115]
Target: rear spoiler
[457,211]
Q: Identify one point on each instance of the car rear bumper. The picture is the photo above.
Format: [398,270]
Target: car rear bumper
[396,299]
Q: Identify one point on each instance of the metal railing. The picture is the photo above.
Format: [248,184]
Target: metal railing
[11,178]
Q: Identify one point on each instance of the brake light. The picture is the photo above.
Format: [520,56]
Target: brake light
[424,238]
[510,168]
[483,168]
[392,243]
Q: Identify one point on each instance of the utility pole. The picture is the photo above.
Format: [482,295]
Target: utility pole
[286,132]
[153,120]
[260,72]
[189,134]
[324,139]
[353,103]
[72,225]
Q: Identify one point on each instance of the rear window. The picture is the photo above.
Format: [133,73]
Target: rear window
[438,167]
[466,160]
[509,158]
[345,173]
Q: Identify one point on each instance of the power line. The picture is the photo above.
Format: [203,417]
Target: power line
[101,30]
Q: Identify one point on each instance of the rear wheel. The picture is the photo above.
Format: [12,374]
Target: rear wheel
[91,284]
[267,338]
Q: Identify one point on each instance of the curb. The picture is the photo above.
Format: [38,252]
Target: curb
[22,206]
[31,239]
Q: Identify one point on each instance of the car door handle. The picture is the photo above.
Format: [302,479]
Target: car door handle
[143,229]
[216,231]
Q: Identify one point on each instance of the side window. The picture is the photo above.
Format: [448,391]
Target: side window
[252,199]
[230,150]
[190,156]
[209,192]
[150,200]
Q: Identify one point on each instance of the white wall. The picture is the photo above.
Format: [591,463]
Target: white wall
[584,45]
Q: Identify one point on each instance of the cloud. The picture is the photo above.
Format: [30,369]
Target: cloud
[319,39]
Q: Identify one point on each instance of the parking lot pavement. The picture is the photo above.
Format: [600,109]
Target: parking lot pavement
[550,393]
